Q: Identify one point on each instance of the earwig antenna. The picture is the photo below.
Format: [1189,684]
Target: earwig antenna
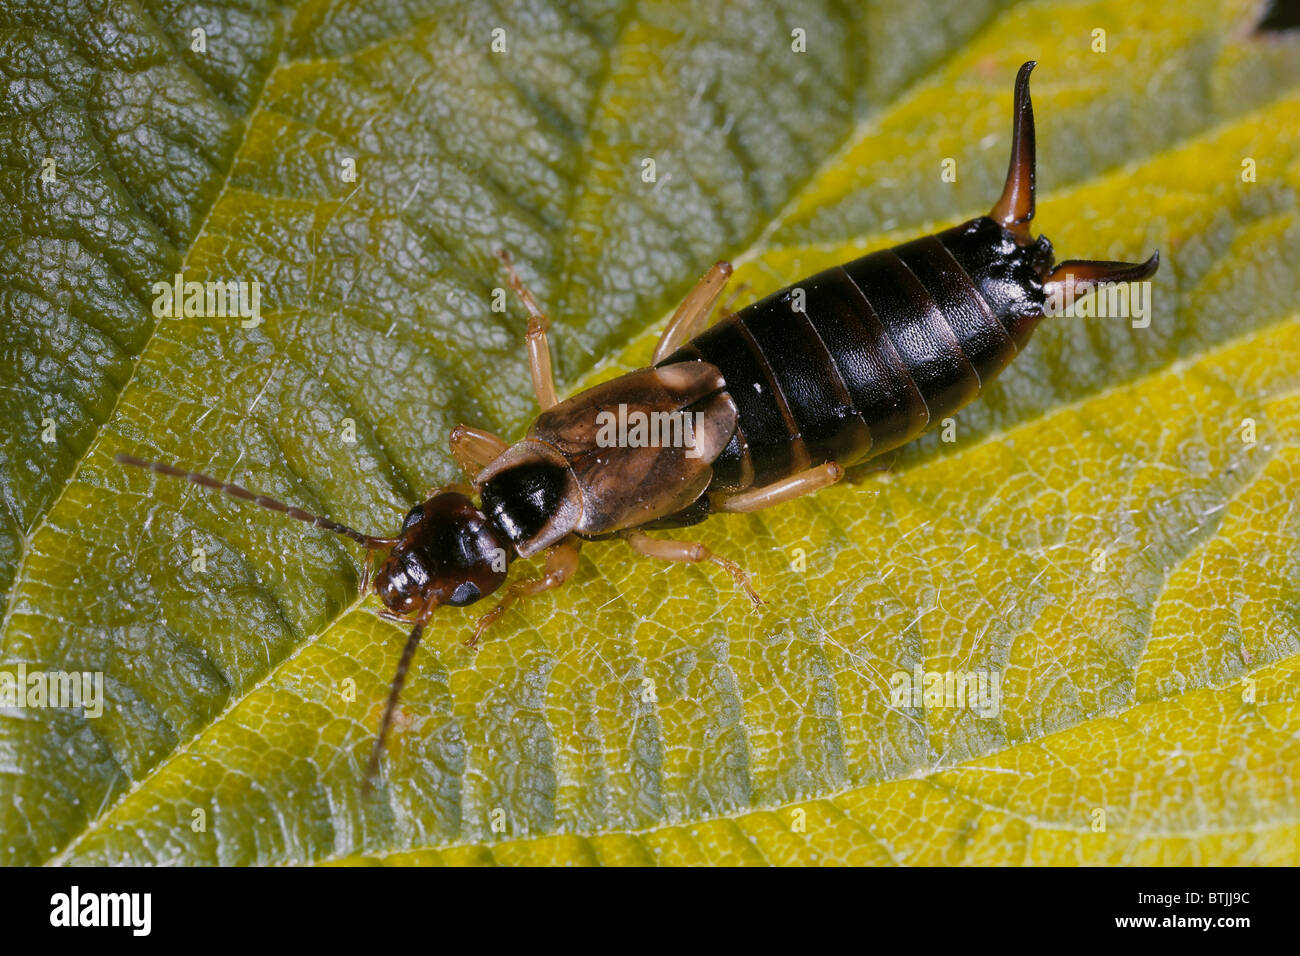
[235,491]
[1076,276]
[394,693]
[1015,207]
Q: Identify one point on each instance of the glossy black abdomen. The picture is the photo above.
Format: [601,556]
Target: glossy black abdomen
[862,358]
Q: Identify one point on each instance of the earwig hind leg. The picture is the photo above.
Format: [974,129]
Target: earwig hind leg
[857,475]
[539,349]
[779,492]
[693,314]
[728,308]
[561,563]
[474,449]
[690,552]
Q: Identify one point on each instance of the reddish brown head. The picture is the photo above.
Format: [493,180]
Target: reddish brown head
[448,553]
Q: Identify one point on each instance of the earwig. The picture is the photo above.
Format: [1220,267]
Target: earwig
[784,395]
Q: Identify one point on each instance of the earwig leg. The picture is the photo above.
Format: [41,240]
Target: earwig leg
[726,308]
[787,489]
[857,476]
[539,350]
[467,490]
[474,449]
[367,572]
[690,552]
[692,315]
[561,563]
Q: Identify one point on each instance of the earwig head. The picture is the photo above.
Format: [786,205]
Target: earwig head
[448,553]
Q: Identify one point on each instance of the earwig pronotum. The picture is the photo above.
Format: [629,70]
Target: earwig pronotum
[785,398]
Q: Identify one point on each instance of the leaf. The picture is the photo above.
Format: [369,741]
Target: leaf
[1100,534]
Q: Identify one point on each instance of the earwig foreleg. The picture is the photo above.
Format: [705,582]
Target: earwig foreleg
[367,572]
[561,563]
[474,449]
[693,314]
[787,489]
[689,552]
[466,490]
[539,350]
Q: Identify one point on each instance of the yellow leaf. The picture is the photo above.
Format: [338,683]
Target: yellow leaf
[1106,537]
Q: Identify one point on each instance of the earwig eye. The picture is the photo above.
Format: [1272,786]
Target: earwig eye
[413,516]
[467,592]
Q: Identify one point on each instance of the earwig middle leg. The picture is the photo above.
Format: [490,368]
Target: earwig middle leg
[539,350]
[779,492]
[561,563]
[474,449]
[690,552]
[692,315]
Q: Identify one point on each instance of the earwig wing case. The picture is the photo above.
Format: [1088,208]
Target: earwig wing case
[641,447]
[1058,625]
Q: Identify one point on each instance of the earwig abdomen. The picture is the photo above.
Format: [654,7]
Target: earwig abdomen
[863,357]
[882,348]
